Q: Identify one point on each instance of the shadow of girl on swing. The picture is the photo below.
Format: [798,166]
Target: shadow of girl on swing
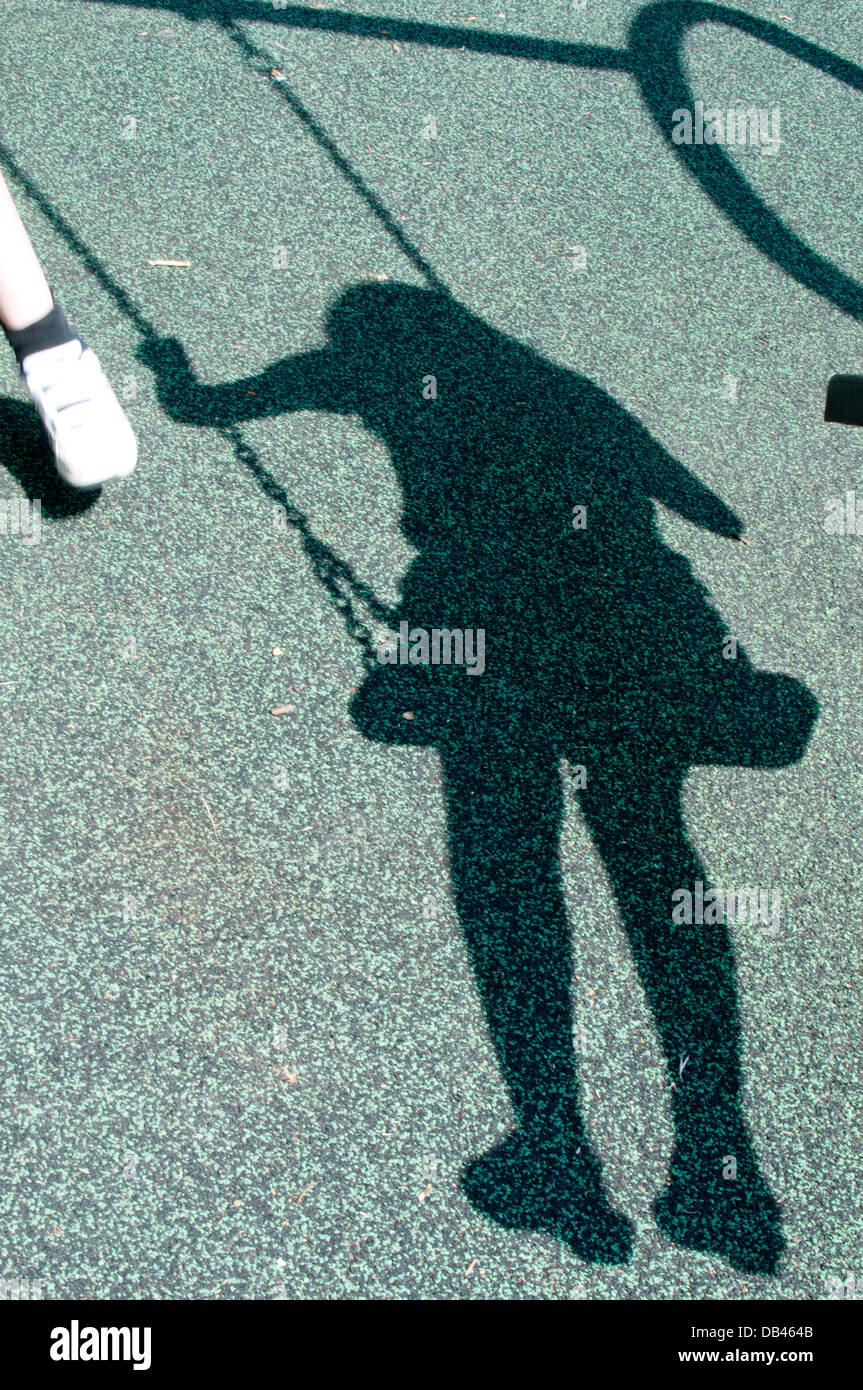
[602,648]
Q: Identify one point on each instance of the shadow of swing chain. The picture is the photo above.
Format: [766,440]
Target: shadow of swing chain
[652,57]
[332,572]
[255,56]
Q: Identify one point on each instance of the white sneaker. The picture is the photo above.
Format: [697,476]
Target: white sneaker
[92,439]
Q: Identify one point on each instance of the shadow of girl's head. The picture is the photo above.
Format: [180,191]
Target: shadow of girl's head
[394,332]
[445,389]
[377,318]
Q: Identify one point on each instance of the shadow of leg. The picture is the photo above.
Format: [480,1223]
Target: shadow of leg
[717,1199]
[504,812]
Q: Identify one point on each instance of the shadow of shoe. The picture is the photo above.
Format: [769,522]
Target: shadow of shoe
[525,1186]
[26,454]
[720,1203]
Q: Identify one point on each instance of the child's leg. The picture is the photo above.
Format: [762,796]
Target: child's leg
[24,293]
[504,810]
[91,437]
[29,316]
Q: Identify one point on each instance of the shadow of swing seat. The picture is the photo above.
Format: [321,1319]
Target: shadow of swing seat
[763,720]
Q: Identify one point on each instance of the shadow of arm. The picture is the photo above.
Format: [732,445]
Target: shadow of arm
[308,381]
[667,481]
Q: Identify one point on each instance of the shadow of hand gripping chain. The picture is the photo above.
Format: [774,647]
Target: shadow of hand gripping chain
[602,647]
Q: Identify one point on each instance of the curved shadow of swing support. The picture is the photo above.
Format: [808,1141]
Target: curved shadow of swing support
[656,39]
[654,59]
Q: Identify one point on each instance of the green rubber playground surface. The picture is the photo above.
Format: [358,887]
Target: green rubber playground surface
[243,1052]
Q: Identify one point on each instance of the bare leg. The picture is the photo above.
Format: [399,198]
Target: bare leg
[91,438]
[24,293]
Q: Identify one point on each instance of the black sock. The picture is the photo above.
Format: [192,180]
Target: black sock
[51,331]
